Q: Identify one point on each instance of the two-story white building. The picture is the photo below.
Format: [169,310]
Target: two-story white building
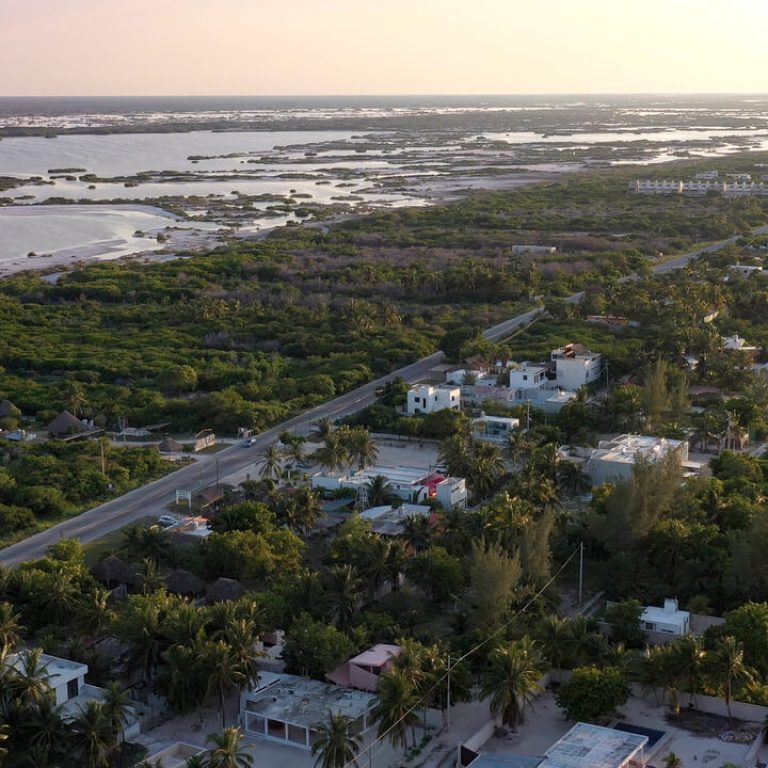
[576,366]
[528,376]
[429,398]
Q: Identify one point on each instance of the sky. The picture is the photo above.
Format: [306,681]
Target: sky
[327,47]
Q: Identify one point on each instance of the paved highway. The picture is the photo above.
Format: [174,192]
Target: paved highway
[97,522]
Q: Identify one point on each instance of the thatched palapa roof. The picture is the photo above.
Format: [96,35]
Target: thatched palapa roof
[7,408]
[223,590]
[64,424]
[169,445]
[184,583]
[110,570]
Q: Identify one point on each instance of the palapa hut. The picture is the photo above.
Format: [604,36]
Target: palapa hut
[169,445]
[183,582]
[111,571]
[9,415]
[224,590]
[65,424]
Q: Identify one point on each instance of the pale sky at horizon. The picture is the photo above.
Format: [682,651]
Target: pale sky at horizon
[320,47]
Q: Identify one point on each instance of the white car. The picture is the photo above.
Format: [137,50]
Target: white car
[168,520]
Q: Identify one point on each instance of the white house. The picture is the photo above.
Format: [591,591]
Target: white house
[736,344]
[67,681]
[746,270]
[576,366]
[668,619]
[528,376]
[428,398]
[494,429]
[411,484]
[615,459]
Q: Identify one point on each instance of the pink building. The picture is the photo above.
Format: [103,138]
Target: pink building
[362,672]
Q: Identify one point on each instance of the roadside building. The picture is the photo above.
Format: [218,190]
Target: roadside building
[411,484]
[615,459]
[428,398]
[527,377]
[745,270]
[390,521]
[362,672]
[533,250]
[576,366]
[288,708]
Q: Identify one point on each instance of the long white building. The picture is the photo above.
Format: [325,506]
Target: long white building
[698,187]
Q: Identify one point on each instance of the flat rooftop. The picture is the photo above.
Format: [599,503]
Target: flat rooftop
[58,669]
[626,448]
[306,702]
[592,746]
[376,656]
[505,761]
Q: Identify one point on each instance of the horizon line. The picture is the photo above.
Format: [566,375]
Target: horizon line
[377,95]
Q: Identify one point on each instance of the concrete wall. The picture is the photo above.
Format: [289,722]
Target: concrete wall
[753,713]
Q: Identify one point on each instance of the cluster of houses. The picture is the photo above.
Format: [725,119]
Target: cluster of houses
[699,187]
[548,385]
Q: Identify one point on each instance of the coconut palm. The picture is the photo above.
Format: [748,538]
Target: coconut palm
[397,555]
[416,532]
[304,508]
[333,455]
[572,479]
[94,614]
[511,679]
[397,707]
[227,750]
[335,745]
[379,492]
[456,454]
[43,729]
[196,761]
[93,739]
[485,469]
[672,761]
[361,447]
[224,673]
[181,679]
[344,587]
[553,635]
[10,627]
[272,463]
[691,659]
[29,684]
[116,705]
[240,635]
[726,667]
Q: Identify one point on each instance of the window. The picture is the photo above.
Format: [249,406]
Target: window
[73,689]
[525,377]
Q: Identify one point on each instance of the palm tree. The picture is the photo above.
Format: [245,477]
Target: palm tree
[572,479]
[227,751]
[93,739]
[76,399]
[308,594]
[116,705]
[361,447]
[240,635]
[196,761]
[30,684]
[379,492]
[151,580]
[272,463]
[455,453]
[43,727]
[691,659]
[10,627]
[333,454]
[324,428]
[397,556]
[224,673]
[672,761]
[727,667]
[94,614]
[396,709]
[305,509]
[553,635]
[181,679]
[511,680]
[416,532]
[344,586]
[485,470]
[336,746]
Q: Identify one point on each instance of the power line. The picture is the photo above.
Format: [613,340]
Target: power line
[469,653]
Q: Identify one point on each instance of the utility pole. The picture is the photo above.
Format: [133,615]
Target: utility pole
[448,698]
[103,466]
[581,573]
